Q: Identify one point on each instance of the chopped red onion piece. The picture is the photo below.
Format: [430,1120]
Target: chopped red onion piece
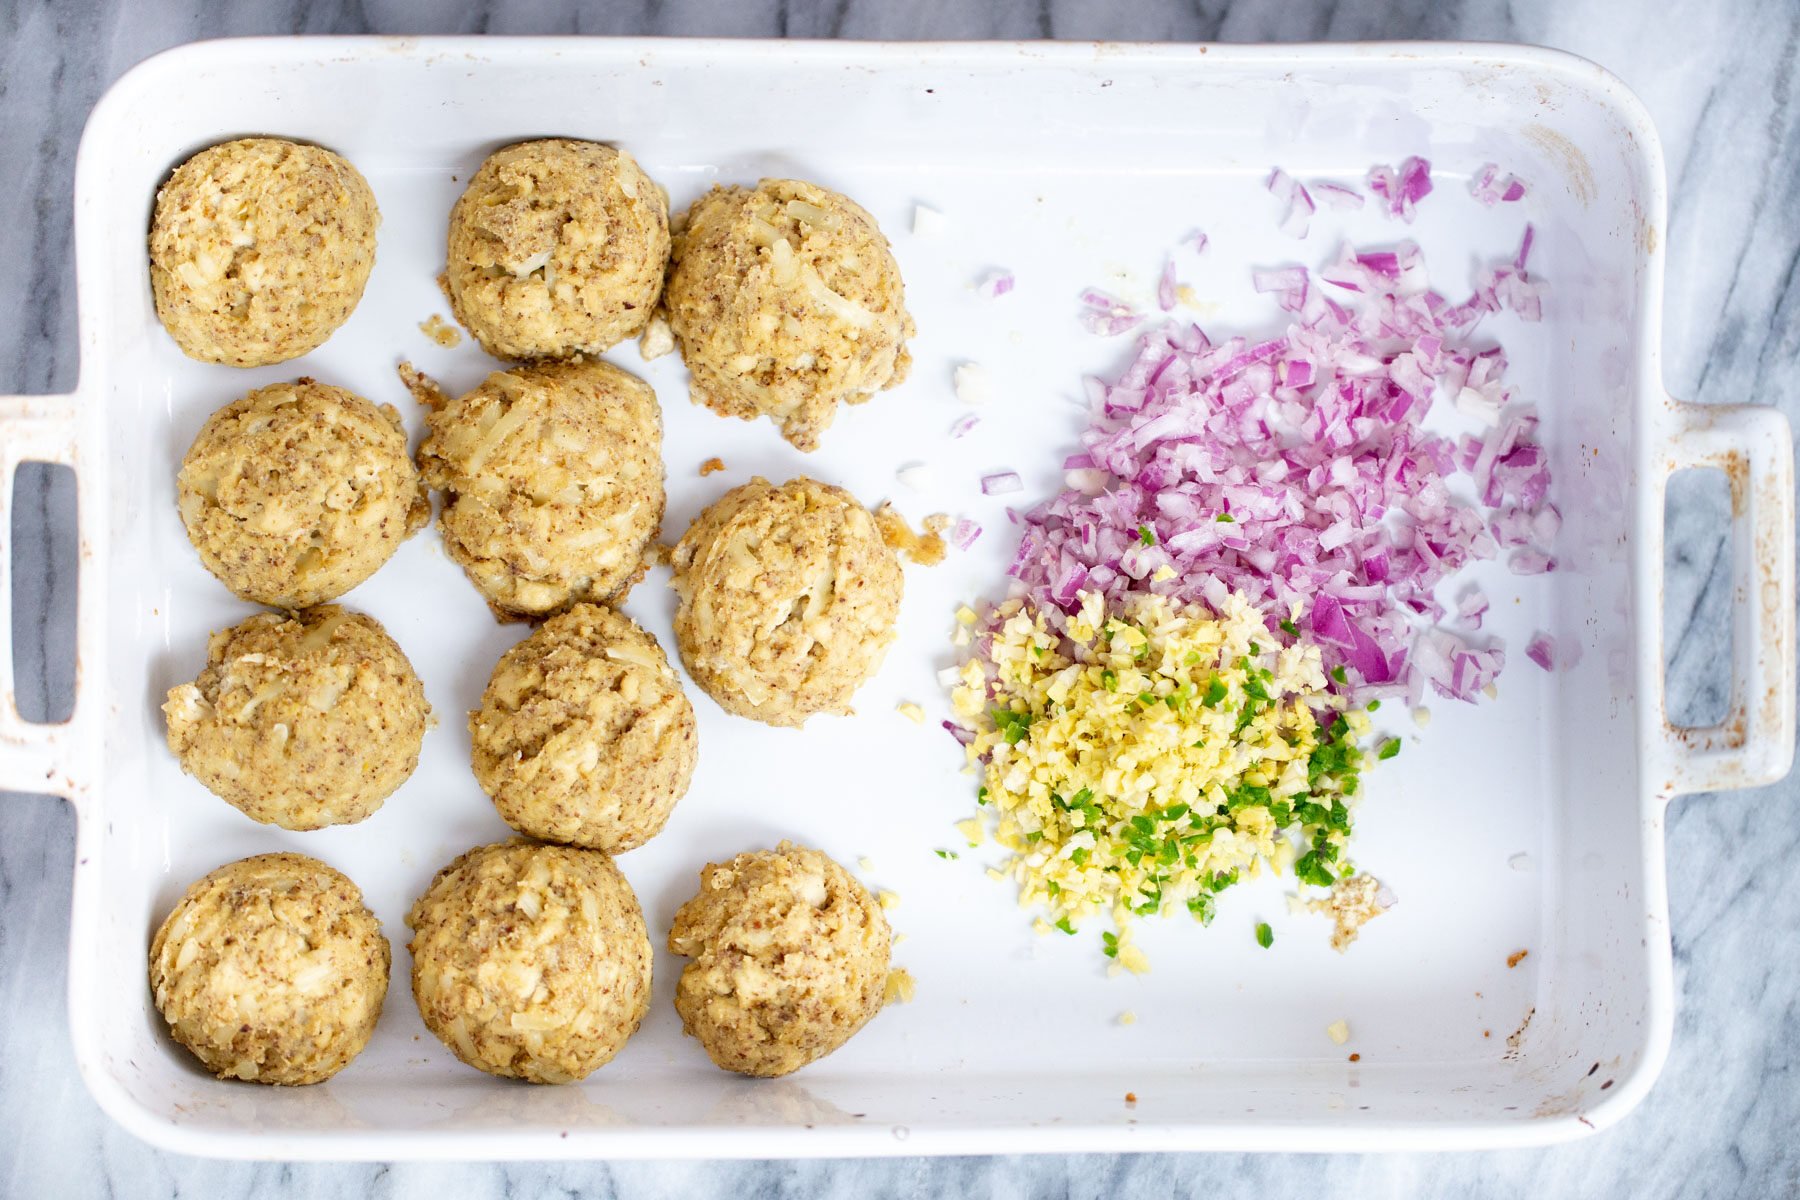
[995,284]
[962,736]
[964,533]
[1339,196]
[1288,284]
[1401,190]
[1531,562]
[1297,204]
[1490,187]
[963,424]
[1472,605]
[1001,483]
[1197,240]
[1107,315]
[1541,649]
[1165,287]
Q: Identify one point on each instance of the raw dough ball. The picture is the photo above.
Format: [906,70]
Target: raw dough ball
[790,958]
[302,721]
[272,970]
[298,492]
[787,599]
[259,250]
[553,483]
[557,248]
[786,301]
[584,735]
[531,961]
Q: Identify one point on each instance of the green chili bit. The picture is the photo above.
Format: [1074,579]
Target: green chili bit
[1147,535]
[1389,748]
[1289,628]
[1062,923]
[1265,937]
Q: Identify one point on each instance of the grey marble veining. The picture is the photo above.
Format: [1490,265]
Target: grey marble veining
[1720,79]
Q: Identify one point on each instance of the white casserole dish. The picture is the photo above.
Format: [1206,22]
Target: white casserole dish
[1069,164]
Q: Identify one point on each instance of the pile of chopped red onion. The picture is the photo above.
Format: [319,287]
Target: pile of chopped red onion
[1297,472]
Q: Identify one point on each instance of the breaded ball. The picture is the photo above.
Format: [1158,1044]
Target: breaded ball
[790,958]
[786,301]
[531,961]
[302,721]
[557,248]
[272,970]
[553,484]
[584,735]
[259,250]
[298,492]
[787,599]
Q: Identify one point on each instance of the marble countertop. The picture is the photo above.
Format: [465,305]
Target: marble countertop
[1720,80]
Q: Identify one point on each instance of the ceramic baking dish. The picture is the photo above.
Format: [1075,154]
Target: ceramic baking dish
[1534,822]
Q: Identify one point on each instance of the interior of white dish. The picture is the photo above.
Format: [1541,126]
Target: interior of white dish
[1520,824]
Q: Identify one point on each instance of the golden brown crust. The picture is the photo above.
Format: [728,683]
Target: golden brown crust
[787,599]
[259,249]
[786,301]
[584,735]
[302,721]
[531,961]
[553,483]
[271,970]
[557,247]
[790,959]
[298,492]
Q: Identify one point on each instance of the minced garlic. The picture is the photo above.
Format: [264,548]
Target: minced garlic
[1142,760]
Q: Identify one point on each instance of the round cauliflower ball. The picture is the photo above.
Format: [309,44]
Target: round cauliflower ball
[790,958]
[259,250]
[298,492]
[584,735]
[553,484]
[786,300]
[787,599]
[271,970]
[302,721]
[557,248]
[531,961]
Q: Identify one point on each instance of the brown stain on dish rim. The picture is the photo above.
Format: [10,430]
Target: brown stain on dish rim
[1569,157]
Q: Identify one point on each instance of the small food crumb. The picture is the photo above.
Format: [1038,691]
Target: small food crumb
[917,476]
[900,987]
[973,383]
[1128,1017]
[1520,862]
[1187,296]
[657,339]
[1516,957]
[927,222]
[712,466]
[1354,901]
[1487,1033]
[927,550]
[1421,716]
[1131,1098]
[1338,1031]
[1355,1057]
[440,331]
[865,864]
[911,712]
[887,900]
[423,387]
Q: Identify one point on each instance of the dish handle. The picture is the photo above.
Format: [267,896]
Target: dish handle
[34,757]
[1754,744]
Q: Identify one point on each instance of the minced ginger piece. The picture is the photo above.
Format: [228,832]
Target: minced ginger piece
[911,712]
[1351,905]
[887,900]
[900,987]
[925,549]
[712,466]
[440,331]
[1338,1031]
